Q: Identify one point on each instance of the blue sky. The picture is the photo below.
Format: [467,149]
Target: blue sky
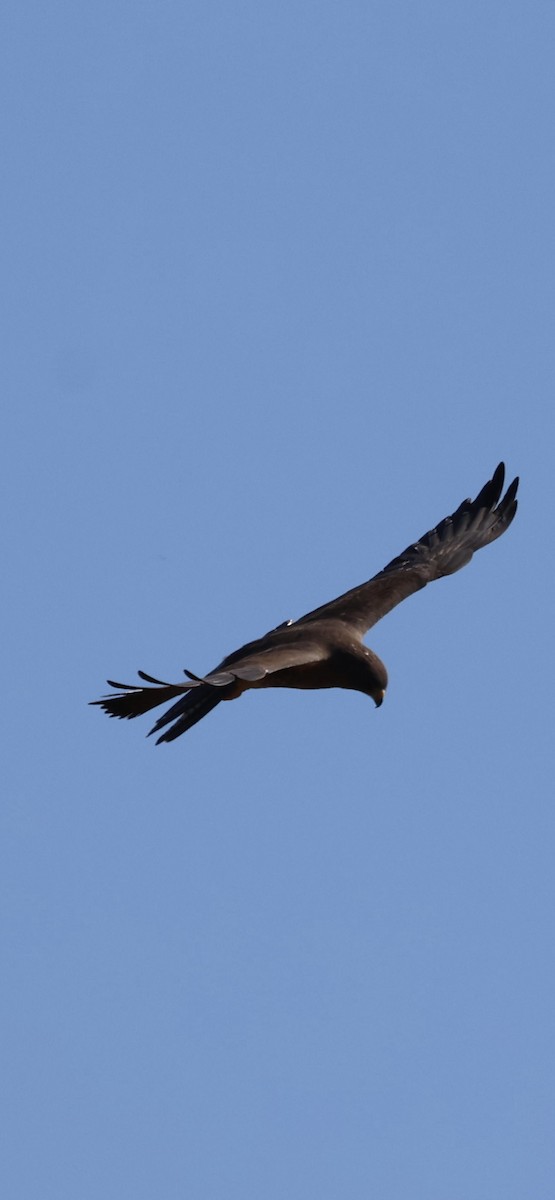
[278,294]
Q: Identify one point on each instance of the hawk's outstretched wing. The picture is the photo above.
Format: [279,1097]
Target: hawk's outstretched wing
[280,650]
[442,551]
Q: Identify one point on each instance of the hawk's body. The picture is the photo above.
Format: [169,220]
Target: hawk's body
[324,648]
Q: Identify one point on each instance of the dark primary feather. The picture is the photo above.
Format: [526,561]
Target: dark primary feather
[186,713]
[133,701]
[324,648]
[441,551]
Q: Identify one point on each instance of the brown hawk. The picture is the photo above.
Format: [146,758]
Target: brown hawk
[324,649]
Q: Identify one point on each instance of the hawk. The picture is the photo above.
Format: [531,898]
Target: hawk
[324,649]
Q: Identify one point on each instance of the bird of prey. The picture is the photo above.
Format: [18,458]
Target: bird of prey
[324,649]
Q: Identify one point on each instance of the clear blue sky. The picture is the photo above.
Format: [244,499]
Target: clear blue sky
[277,294]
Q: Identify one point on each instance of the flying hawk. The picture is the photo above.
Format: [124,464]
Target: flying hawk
[324,649]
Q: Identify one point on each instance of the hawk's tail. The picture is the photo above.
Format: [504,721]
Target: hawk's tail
[195,701]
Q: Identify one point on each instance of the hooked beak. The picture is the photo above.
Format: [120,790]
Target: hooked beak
[379,697]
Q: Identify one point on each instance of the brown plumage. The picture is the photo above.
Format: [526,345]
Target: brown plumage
[324,649]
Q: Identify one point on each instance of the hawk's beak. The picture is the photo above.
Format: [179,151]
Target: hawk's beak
[378,698]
